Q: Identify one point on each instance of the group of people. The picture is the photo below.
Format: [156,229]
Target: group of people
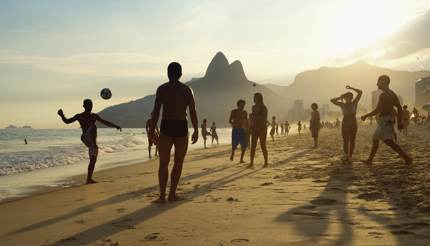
[213,134]
[175,98]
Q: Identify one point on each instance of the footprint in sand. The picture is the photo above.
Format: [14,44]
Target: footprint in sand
[240,240]
[324,201]
[120,210]
[371,196]
[81,221]
[266,184]
[231,199]
[152,236]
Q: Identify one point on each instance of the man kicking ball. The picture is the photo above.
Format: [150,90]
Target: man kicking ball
[387,101]
[87,120]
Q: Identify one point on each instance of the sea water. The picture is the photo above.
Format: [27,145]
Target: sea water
[53,155]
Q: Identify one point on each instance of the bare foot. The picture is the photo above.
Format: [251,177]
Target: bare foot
[242,161]
[231,158]
[160,200]
[265,165]
[367,162]
[175,198]
[250,166]
[91,181]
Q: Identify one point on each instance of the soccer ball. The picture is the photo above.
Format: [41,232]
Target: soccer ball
[106,93]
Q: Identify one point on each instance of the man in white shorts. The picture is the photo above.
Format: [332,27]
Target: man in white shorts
[387,101]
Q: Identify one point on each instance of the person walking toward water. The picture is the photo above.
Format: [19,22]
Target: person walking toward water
[152,140]
[214,134]
[175,97]
[348,105]
[273,127]
[315,123]
[87,120]
[299,127]
[239,135]
[205,132]
[258,128]
[387,101]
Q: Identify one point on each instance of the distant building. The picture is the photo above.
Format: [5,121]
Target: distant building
[422,92]
[298,110]
[324,111]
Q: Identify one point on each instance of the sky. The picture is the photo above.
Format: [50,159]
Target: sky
[54,54]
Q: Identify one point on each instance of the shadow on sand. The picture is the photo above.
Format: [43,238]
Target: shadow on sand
[116,199]
[313,220]
[152,210]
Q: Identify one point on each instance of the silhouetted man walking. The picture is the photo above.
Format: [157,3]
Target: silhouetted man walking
[387,101]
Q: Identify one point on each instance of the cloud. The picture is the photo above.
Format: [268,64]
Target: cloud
[412,38]
[99,64]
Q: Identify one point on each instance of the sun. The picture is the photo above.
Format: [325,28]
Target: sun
[358,24]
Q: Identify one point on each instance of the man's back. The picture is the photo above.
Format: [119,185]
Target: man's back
[175,97]
[387,101]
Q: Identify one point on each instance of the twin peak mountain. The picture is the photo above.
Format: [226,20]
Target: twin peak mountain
[216,94]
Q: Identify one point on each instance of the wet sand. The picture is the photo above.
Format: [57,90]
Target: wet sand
[306,197]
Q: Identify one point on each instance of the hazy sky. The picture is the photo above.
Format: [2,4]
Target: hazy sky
[56,53]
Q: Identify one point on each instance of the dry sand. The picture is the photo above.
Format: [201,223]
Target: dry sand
[305,197]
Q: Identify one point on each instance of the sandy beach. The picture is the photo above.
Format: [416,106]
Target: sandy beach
[306,197]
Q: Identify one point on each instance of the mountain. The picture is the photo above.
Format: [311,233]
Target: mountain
[327,82]
[216,94]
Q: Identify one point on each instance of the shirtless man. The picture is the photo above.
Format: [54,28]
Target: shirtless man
[205,132]
[175,97]
[87,121]
[239,122]
[151,140]
[387,101]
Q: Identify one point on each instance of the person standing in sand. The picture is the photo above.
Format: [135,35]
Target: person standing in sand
[406,119]
[239,122]
[287,127]
[299,127]
[273,127]
[214,134]
[258,128]
[387,101]
[87,120]
[349,106]
[205,132]
[150,139]
[315,123]
[175,97]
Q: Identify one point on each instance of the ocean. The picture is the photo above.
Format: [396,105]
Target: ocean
[54,155]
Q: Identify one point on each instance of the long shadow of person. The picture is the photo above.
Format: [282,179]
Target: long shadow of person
[313,220]
[115,200]
[152,210]
[402,189]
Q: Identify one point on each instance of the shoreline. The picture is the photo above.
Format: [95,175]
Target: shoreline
[79,179]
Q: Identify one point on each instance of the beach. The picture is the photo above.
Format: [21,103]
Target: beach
[305,197]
